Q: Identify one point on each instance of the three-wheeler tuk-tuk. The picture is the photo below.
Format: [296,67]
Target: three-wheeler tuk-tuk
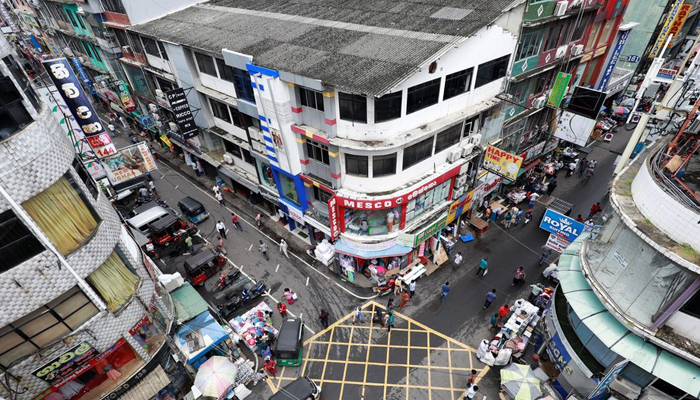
[203,265]
[170,229]
[288,348]
[193,210]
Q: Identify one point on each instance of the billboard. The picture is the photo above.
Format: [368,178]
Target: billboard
[565,227]
[66,363]
[129,163]
[125,96]
[666,29]
[183,114]
[574,128]
[558,90]
[502,163]
[586,102]
[79,105]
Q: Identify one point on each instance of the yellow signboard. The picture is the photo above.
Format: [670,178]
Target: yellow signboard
[666,29]
[166,140]
[502,163]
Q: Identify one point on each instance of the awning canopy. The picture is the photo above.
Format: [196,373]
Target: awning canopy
[198,336]
[580,295]
[188,303]
[149,386]
[396,250]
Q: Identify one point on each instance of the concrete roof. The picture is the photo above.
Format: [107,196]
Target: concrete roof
[360,46]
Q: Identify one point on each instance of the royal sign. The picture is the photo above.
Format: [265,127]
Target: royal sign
[79,105]
[565,227]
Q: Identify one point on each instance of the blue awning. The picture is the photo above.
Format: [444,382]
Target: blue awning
[204,330]
[396,250]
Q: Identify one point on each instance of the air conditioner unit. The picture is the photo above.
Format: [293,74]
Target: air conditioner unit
[159,93]
[173,126]
[152,108]
[454,155]
[228,158]
[539,102]
[577,50]
[457,192]
[475,139]
[560,8]
[625,388]
[561,51]
[127,50]
[460,181]
[467,149]
[255,133]
[259,147]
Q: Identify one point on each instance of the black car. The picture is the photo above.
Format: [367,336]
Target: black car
[302,388]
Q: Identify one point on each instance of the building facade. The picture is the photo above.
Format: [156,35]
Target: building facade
[79,308]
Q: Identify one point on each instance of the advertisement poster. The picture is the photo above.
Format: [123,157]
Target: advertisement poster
[64,364]
[614,58]
[574,128]
[557,243]
[79,105]
[129,163]
[183,114]
[502,163]
[83,75]
[125,96]
[565,227]
[561,84]
[666,29]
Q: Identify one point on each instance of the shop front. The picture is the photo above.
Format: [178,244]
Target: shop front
[201,338]
[370,260]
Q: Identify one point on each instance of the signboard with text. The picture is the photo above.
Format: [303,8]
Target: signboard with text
[502,163]
[183,115]
[559,90]
[333,217]
[679,21]
[614,58]
[66,363]
[565,227]
[129,163]
[125,96]
[609,378]
[557,243]
[665,29]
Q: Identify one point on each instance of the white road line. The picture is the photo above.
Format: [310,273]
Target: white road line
[176,186]
[278,268]
[251,246]
[307,281]
[348,291]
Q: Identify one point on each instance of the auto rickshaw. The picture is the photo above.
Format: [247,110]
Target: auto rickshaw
[288,348]
[204,265]
[170,229]
[193,210]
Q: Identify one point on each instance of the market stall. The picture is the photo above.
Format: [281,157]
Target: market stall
[514,335]
[254,324]
[201,338]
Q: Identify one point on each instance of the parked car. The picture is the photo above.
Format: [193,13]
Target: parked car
[193,210]
[301,388]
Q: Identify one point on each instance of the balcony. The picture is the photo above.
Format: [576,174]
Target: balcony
[116,20]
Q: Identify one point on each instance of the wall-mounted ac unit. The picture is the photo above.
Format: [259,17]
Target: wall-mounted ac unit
[152,108]
[457,192]
[228,158]
[561,51]
[173,126]
[159,93]
[539,102]
[467,149]
[255,133]
[460,181]
[560,8]
[454,155]
[577,50]
[127,50]
[475,139]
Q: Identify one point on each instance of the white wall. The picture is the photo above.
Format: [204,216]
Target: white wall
[159,63]
[217,84]
[230,128]
[140,11]
[685,325]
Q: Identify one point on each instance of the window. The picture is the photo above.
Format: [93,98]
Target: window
[236,117]
[384,165]
[244,89]
[317,151]
[491,70]
[471,125]
[134,42]
[114,281]
[163,53]
[164,85]
[233,149]
[544,81]
[356,165]
[553,36]
[353,107]
[388,107]
[17,244]
[428,201]
[529,44]
[580,29]
[448,138]
[289,190]
[311,98]
[44,326]
[85,177]
[205,64]
[247,157]
[114,6]
[418,152]
[220,110]
[458,83]
[63,214]
[321,195]
[150,46]
[423,95]
[225,72]
[13,114]
[593,35]
[71,18]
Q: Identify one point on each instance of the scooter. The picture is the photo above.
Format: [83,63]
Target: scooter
[236,301]
[226,279]
[385,288]
[248,294]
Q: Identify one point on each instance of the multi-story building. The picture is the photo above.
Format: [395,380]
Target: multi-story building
[627,310]
[80,313]
[357,122]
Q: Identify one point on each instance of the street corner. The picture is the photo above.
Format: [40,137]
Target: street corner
[358,360]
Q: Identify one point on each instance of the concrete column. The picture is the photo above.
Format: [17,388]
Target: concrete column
[336,173]
[295,102]
[330,118]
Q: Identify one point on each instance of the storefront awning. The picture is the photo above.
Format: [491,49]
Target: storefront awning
[580,295]
[187,303]
[198,336]
[396,250]
[149,386]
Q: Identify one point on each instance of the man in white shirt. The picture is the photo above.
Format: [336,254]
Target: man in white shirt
[458,259]
[412,288]
[533,198]
[471,392]
[112,130]
[221,228]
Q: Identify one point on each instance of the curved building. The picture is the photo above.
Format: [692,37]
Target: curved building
[80,316]
[626,315]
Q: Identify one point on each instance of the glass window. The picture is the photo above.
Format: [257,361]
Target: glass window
[544,81]
[388,107]
[114,6]
[553,36]
[384,165]
[45,325]
[471,125]
[233,149]
[71,17]
[423,95]
[163,53]
[150,46]
[236,117]
[311,98]
[353,107]
[428,201]
[13,114]
[63,214]
[372,222]
[491,70]
[356,165]
[607,33]
[247,157]
[317,151]
[225,72]
[289,189]
[244,88]
[114,281]
[17,244]
[321,195]
[448,138]
[418,152]
[580,29]
[205,64]
[220,110]
[593,36]
[458,83]
[529,44]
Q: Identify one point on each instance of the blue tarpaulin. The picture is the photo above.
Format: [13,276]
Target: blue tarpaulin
[202,330]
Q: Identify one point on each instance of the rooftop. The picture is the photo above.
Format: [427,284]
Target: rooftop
[360,46]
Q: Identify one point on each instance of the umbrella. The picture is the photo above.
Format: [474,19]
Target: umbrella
[215,376]
[628,102]
[621,111]
[520,382]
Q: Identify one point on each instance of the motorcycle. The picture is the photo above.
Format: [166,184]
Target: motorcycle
[248,294]
[385,287]
[226,279]
[239,300]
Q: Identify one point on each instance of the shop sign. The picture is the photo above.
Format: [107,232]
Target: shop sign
[558,353]
[64,364]
[679,21]
[183,115]
[363,246]
[666,29]
[557,243]
[665,75]
[559,90]
[534,151]
[608,379]
[391,202]
[431,230]
[166,140]
[565,227]
[632,58]
[295,213]
[129,163]
[143,372]
[72,93]
[125,96]
[333,217]
[83,76]
[460,206]
[502,163]
[615,56]
[600,51]
[5,15]
[139,324]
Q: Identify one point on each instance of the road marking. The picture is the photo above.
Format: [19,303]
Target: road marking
[251,246]
[307,281]
[278,268]
[177,187]
[268,294]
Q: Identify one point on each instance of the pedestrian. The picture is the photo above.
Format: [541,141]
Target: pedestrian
[284,248]
[122,121]
[282,309]
[390,321]
[220,245]
[154,153]
[458,259]
[471,392]
[390,304]
[263,249]
[152,186]
[235,222]
[270,367]
[588,175]
[579,218]
[357,318]
[533,198]
[258,220]
[551,186]
[503,312]
[398,287]
[405,298]
[490,298]
[551,271]
[220,198]
[445,291]
[412,288]
[483,267]
[595,209]
[592,164]
[378,316]
[188,242]
[536,290]
[528,217]
[290,296]
[472,378]
[582,169]
[487,213]
[571,169]
[323,317]
[482,349]
[508,219]
[499,213]
[221,228]
[518,217]
[546,252]
[112,130]
[518,277]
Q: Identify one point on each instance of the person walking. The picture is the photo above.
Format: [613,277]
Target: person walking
[582,169]
[220,245]
[483,267]
[536,290]
[270,366]
[221,228]
[503,312]
[588,175]
[528,217]
[282,309]
[235,222]
[458,259]
[487,213]
[258,220]
[390,304]
[412,288]
[518,217]
[390,321]
[323,317]
[290,296]
[595,209]
[571,168]
[552,185]
[518,277]
[579,218]
[471,392]
[508,219]
[398,287]
[533,198]
[122,121]
[152,187]
[472,378]
[405,298]
[112,130]
[284,248]
[546,252]
[220,198]
[263,249]
[216,189]
[445,291]
[490,298]
[358,317]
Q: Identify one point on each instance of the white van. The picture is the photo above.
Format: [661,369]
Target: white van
[141,221]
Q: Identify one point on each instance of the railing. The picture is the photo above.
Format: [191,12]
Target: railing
[672,185]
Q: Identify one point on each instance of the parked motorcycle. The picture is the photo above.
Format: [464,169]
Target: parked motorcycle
[386,287]
[238,300]
[227,279]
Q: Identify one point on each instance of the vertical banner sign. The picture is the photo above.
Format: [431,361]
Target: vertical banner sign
[125,96]
[614,58]
[7,18]
[83,76]
[608,379]
[558,90]
[183,115]
[80,107]
[333,217]
[665,30]
[679,21]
